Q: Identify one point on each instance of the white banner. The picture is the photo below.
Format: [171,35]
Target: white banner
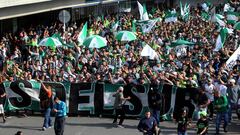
[232,60]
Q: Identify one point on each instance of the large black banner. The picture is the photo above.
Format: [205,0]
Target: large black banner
[97,99]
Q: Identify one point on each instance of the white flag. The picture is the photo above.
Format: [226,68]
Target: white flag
[232,60]
[148,51]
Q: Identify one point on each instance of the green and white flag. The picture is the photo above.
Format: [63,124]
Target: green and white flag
[115,26]
[222,38]
[231,62]
[83,34]
[134,26]
[185,11]
[227,8]
[143,12]
[206,6]
[232,17]
[237,26]
[148,51]
[147,25]
[205,16]
[219,19]
[171,16]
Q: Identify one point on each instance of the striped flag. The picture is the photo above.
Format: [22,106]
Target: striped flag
[232,17]
[143,12]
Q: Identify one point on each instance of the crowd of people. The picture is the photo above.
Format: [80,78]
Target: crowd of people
[121,62]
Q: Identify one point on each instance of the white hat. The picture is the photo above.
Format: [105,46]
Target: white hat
[174,73]
[120,88]
[232,81]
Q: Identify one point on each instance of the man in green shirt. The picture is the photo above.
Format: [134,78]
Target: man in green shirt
[221,106]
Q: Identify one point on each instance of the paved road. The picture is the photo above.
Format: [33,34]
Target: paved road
[92,126]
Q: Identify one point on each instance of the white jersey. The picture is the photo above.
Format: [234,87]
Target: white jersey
[209,91]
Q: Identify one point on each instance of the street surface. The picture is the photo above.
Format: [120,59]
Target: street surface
[94,126]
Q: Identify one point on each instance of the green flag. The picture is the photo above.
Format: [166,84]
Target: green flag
[221,38]
[205,16]
[57,36]
[134,26]
[237,26]
[82,34]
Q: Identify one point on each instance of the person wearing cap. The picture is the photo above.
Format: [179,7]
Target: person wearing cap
[209,88]
[202,124]
[148,125]
[118,106]
[221,107]
[233,93]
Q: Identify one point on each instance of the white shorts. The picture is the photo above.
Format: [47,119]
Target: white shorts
[1,109]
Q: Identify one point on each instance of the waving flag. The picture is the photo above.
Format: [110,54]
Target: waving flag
[205,16]
[82,34]
[115,26]
[219,19]
[171,16]
[222,38]
[237,26]
[147,26]
[143,12]
[206,6]
[232,17]
[227,8]
[148,51]
[185,11]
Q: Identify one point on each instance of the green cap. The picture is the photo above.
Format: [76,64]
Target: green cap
[203,113]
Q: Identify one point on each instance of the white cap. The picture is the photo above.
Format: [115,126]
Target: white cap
[232,81]
[174,73]
[120,88]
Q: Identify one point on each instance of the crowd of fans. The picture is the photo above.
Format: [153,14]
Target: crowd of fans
[121,62]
